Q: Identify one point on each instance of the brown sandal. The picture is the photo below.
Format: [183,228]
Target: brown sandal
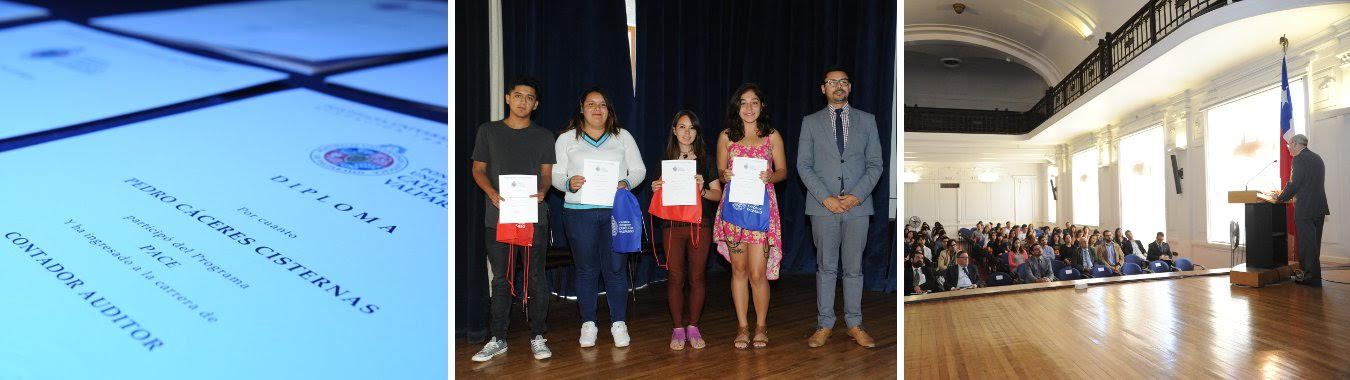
[742,337]
[761,337]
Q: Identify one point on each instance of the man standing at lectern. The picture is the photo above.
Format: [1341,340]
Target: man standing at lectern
[1310,209]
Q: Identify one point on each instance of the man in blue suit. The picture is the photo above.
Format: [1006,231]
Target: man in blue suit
[839,160]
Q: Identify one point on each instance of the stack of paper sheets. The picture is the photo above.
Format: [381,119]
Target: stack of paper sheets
[303,36]
[10,11]
[57,74]
[423,81]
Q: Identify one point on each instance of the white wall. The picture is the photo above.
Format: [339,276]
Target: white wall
[978,83]
[977,200]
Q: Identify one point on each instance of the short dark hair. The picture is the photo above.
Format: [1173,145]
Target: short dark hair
[525,80]
[830,69]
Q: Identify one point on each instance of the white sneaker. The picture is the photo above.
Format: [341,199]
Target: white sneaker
[588,334]
[540,350]
[620,332]
[493,348]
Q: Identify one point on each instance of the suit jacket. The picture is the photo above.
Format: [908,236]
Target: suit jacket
[827,172]
[1155,252]
[1129,246]
[1076,257]
[1102,259]
[931,281]
[952,277]
[1039,268]
[1307,182]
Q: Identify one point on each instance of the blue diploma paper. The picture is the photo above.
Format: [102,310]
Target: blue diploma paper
[424,81]
[10,11]
[304,36]
[288,235]
[57,74]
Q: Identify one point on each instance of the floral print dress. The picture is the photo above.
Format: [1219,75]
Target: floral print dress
[724,231]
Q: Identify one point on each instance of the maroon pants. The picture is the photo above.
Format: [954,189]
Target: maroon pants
[688,263]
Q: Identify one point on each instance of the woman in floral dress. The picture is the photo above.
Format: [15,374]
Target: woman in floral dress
[754,255]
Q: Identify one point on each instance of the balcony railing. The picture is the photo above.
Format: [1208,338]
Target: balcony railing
[1156,20]
[947,120]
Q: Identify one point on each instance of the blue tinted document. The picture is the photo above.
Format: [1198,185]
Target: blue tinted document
[296,35]
[56,74]
[424,81]
[11,11]
[288,235]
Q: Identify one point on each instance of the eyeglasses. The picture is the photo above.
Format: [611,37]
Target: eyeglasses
[750,103]
[594,106]
[517,96]
[836,82]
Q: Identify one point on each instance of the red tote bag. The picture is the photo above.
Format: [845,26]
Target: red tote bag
[517,235]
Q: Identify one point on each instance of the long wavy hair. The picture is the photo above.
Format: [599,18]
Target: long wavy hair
[735,127]
[578,119]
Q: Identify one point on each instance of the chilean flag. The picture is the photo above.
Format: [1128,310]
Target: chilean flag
[1286,162]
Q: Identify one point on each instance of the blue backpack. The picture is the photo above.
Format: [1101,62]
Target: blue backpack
[626,223]
[747,216]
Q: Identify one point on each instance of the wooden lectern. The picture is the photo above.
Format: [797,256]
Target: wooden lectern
[1267,242]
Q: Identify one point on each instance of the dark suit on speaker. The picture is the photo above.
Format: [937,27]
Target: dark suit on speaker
[1307,183]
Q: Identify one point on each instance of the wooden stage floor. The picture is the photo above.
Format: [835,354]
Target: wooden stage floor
[1196,327]
[792,317]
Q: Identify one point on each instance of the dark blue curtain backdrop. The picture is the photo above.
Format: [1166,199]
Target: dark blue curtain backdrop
[473,105]
[693,54]
[569,47]
[690,54]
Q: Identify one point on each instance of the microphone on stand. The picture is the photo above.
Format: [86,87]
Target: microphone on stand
[1258,174]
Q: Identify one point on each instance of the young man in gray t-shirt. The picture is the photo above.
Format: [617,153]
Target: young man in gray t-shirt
[515,146]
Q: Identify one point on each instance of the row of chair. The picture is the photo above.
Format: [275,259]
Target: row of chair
[1064,272]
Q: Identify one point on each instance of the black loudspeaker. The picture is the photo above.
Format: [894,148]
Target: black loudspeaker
[1054,191]
[1176,173]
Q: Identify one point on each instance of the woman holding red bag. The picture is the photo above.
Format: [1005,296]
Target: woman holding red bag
[687,243]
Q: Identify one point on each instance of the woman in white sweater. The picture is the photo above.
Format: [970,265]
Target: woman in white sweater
[593,133]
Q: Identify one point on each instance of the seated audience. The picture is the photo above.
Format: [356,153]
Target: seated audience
[919,277]
[1109,253]
[1039,266]
[1160,250]
[1134,247]
[962,275]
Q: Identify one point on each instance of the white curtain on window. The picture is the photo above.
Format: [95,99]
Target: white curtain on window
[1142,186]
[1242,137]
[1085,188]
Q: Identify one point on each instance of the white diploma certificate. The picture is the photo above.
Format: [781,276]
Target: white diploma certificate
[517,205]
[57,74]
[286,235]
[11,11]
[424,81]
[304,36]
[680,187]
[746,187]
[602,181]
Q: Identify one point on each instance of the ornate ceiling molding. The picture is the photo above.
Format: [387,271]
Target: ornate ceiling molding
[1033,59]
[1078,20]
